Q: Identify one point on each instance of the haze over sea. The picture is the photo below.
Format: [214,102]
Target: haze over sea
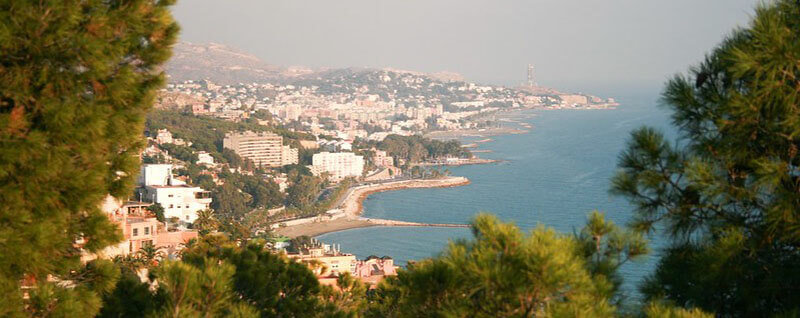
[555,175]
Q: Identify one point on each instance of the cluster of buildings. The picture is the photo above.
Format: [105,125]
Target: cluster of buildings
[357,103]
[327,262]
[140,228]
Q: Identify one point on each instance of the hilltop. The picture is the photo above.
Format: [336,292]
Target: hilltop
[223,64]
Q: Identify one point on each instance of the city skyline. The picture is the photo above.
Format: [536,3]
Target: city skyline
[615,44]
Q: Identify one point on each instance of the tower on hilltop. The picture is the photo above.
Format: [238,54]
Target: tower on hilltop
[531,83]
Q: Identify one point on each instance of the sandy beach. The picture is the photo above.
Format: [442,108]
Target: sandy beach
[353,204]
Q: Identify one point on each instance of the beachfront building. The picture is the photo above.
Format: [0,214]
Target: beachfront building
[333,261]
[179,200]
[338,165]
[263,148]
[373,269]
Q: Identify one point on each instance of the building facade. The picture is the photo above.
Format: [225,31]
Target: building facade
[263,148]
[339,165]
[139,229]
[289,156]
[179,200]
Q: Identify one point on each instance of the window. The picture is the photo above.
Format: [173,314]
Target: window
[170,195]
[170,206]
[135,232]
[187,217]
[146,231]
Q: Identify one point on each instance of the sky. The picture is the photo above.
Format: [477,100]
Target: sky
[572,44]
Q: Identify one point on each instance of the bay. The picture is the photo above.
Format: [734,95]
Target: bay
[553,176]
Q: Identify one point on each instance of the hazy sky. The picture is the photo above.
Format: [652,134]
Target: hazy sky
[571,43]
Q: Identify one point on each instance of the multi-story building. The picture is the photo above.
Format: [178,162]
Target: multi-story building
[263,148]
[334,262]
[139,229]
[178,199]
[289,156]
[380,159]
[339,165]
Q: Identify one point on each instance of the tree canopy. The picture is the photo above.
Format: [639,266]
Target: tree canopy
[728,191]
[76,79]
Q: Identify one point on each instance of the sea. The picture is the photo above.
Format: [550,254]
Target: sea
[555,175]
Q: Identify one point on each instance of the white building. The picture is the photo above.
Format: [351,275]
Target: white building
[164,137]
[155,174]
[178,199]
[338,164]
[204,158]
[289,156]
[181,201]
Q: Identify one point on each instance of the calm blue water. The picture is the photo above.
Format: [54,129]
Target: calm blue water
[554,176]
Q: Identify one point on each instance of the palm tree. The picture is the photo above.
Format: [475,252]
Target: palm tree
[206,222]
[149,254]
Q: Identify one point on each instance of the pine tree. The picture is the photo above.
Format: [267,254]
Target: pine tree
[502,272]
[728,193]
[76,78]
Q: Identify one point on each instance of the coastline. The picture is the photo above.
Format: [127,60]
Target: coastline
[353,205]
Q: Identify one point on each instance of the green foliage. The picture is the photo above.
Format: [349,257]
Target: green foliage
[415,149]
[271,283]
[729,196]
[75,82]
[199,291]
[206,222]
[230,202]
[130,298]
[501,273]
[158,158]
[606,247]
[158,211]
[659,310]
[206,133]
[349,296]
[180,152]
[303,192]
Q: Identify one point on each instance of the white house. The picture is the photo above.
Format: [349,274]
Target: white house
[179,200]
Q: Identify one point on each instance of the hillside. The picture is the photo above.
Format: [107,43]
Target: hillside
[222,64]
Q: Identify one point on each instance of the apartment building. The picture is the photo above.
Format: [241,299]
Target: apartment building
[339,165]
[263,148]
[289,156]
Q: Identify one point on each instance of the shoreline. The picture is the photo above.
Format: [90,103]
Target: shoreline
[351,210]
[353,205]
